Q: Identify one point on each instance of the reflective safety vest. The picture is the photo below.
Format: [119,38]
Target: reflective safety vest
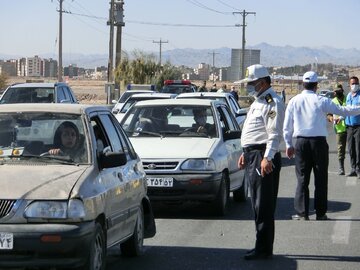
[340,127]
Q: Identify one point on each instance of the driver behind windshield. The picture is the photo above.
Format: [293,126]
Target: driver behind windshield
[201,126]
[67,142]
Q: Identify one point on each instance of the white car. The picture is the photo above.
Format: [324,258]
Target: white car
[238,112]
[118,104]
[184,160]
[138,97]
[72,186]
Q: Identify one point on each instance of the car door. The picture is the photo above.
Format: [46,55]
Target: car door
[114,184]
[233,146]
[235,109]
[136,178]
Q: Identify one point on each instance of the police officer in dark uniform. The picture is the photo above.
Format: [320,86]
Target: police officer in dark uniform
[261,158]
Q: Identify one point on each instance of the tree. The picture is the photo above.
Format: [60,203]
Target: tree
[144,69]
[3,81]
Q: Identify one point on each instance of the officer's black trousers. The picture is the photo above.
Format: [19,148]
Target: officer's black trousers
[311,153]
[263,192]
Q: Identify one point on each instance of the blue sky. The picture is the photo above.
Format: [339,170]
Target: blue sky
[31,27]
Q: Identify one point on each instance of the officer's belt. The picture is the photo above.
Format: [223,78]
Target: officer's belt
[254,147]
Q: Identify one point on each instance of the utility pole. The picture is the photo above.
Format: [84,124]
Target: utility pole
[119,23]
[243,14]
[160,42]
[110,76]
[213,65]
[60,68]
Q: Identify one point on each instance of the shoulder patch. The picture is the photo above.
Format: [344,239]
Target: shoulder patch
[272,114]
[269,98]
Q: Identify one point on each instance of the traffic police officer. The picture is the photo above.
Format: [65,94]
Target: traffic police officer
[305,119]
[261,158]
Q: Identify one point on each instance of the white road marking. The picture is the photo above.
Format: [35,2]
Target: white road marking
[341,231]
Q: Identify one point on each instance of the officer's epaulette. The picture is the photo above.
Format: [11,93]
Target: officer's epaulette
[269,98]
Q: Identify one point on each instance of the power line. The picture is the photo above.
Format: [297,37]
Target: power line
[198,4]
[180,24]
[226,4]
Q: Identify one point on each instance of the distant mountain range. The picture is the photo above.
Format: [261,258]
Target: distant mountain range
[270,56]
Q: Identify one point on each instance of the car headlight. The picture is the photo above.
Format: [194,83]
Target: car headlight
[199,165]
[73,209]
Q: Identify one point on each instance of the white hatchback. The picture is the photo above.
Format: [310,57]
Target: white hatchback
[189,149]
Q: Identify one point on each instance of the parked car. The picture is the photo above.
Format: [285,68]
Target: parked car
[323,92]
[177,87]
[38,93]
[138,97]
[330,94]
[184,159]
[120,103]
[227,98]
[72,186]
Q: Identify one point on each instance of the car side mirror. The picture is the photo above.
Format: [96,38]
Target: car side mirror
[112,159]
[115,111]
[232,134]
[241,112]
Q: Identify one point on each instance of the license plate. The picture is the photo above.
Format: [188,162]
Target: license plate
[6,240]
[160,182]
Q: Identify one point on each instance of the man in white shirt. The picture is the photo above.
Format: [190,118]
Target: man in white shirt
[261,159]
[305,119]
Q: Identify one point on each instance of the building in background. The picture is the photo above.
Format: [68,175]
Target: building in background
[34,66]
[203,71]
[50,68]
[8,67]
[251,57]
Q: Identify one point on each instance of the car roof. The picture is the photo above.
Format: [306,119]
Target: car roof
[152,95]
[185,101]
[205,94]
[37,84]
[54,107]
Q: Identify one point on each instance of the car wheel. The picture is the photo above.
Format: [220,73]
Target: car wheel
[222,198]
[134,245]
[97,256]
[241,194]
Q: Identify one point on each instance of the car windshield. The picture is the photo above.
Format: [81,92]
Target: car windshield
[43,137]
[170,121]
[28,95]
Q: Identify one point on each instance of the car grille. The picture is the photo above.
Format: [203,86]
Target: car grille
[5,207]
[160,165]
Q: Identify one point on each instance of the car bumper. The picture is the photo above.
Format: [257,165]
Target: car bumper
[187,187]
[29,250]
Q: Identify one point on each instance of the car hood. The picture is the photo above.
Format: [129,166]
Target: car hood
[170,147]
[38,182]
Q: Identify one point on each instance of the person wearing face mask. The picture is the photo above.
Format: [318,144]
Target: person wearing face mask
[305,119]
[201,125]
[261,159]
[339,127]
[353,128]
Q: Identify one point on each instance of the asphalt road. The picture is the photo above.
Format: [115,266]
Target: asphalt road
[189,237]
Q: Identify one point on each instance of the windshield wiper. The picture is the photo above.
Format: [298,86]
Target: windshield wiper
[156,134]
[62,159]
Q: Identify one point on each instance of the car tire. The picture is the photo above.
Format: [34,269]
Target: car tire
[241,194]
[96,259]
[134,245]
[222,198]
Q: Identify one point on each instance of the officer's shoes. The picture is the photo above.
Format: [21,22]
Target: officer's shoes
[299,217]
[255,255]
[352,173]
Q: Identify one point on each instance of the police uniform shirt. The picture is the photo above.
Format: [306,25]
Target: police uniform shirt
[264,123]
[305,115]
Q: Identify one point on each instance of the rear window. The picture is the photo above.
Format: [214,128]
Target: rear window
[28,95]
